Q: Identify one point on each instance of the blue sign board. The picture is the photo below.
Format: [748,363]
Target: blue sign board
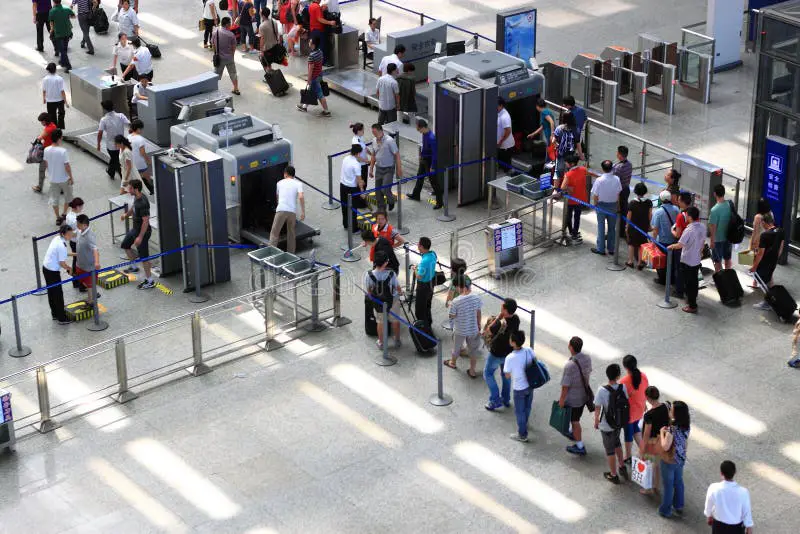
[774,187]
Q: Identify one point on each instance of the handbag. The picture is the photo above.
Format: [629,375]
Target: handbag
[35,152]
[201,25]
[559,419]
[308,97]
[440,278]
[215,59]
[488,337]
[278,51]
[642,472]
[326,91]
[155,51]
[589,392]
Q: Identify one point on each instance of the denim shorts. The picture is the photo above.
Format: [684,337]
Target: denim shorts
[630,430]
[316,87]
[721,251]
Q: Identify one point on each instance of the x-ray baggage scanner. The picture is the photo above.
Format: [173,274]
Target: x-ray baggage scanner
[253,162]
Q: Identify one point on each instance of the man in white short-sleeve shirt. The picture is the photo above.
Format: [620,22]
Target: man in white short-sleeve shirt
[289,190]
[399,52]
[56,161]
[605,195]
[350,183]
[55,259]
[54,97]
[505,137]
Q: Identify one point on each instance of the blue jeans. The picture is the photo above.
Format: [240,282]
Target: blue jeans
[523,402]
[258,4]
[605,237]
[317,87]
[492,364]
[672,495]
[61,47]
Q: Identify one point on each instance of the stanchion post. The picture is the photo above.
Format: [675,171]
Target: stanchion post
[370,8]
[19,350]
[123,394]
[565,241]
[615,265]
[385,359]
[445,216]
[338,320]
[532,333]
[475,37]
[350,255]
[96,325]
[198,296]
[37,268]
[421,19]
[402,230]
[198,367]
[440,398]
[330,204]
[407,254]
[46,423]
[270,295]
[315,325]
[454,244]
[667,303]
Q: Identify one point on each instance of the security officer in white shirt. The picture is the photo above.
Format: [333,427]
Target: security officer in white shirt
[55,259]
[728,504]
[399,52]
[605,195]
[54,96]
[351,183]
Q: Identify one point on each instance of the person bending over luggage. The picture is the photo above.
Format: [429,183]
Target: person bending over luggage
[380,245]
[382,285]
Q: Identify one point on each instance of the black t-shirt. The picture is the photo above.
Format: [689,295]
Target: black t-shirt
[141,208]
[500,346]
[383,245]
[244,16]
[771,241]
[657,418]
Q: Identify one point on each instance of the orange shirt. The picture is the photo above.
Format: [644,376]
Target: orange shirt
[47,134]
[576,179]
[635,397]
[387,232]
[314,14]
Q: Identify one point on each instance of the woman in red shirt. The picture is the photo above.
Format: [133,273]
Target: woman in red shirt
[46,139]
[635,383]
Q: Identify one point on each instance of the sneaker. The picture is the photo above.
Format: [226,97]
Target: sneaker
[574,449]
[325,113]
[397,343]
[614,479]
[147,284]
[67,321]
[678,511]
[131,269]
[438,206]
[379,344]
[624,472]
[491,406]
[302,108]
[517,437]
[763,306]
[599,252]
[391,207]
[507,404]
[794,364]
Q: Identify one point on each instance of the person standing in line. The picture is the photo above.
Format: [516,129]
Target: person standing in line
[636,384]
[46,139]
[465,318]
[505,137]
[55,259]
[61,30]
[727,507]
[87,257]
[639,213]
[661,223]
[720,216]
[84,17]
[672,178]
[71,220]
[56,160]
[674,441]
[387,91]
[133,3]
[547,122]
[315,59]
[123,54]
[426,278]
[691,246]
[653,421]
[684,201]
[54,97]
[385,161]
[317,25]
[210,19]
[605,406]
[289,191]
[129,170]
[770,248]
[128,20]
[382,285]
[395,57]
[566,138]
[578,113]
[350,182]
[574,183]
[514,369]
[428,158]
[365,154]
[605,195]
[382,228]
[623,169]
[500,330]
[378,245]
[142,60]
[575,391]
[139,235]
[111,125]
[140,158]
[41,12]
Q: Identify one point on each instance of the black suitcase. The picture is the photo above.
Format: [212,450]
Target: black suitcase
[728,286]
[277,83]
[779,299]
[370,324]
[155,51]
[422,344]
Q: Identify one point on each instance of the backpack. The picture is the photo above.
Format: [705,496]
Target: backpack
[536,371]
[619,407]
[35,152]
[100,21]
[735,226]
[304,18]
[382,291]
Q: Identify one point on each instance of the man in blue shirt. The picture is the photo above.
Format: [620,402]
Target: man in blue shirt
[578,112]
[427,163]
[426,276]
[663,220]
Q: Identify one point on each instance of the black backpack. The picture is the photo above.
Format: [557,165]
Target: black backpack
[100,21]
[735,226]
[619,409]
[382,291]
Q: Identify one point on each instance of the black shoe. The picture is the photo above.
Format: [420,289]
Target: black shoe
[82,289]
[613,479]
[624,472]
[438,206]
[413,197]
[391,207]
[90,52]
[660,282]
[40,49]
[595,251]
[83,45]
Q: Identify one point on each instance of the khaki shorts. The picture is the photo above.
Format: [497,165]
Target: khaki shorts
[473,345]
[395,309]
[55,193]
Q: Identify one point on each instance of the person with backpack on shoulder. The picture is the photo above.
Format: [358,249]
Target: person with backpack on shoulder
[497,335]
[718,222]
[610,418]
[515,369]
[382,285]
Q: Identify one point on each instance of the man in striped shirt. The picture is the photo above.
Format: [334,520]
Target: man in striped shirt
[465,317]
[315,59]
[84,9]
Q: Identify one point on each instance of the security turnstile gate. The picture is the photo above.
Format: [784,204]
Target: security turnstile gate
[597,95]
[632,85]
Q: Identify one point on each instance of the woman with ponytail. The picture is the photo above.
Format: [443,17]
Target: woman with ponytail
[635,383]
[129,171]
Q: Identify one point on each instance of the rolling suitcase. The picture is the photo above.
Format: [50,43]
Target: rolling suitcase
[422,344]
[779,299]
[370,324]
[728,286]
[277,83]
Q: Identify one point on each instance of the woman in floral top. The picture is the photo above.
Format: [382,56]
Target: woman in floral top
[674,440]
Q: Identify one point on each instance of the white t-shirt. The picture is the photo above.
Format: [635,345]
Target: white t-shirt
[373,36]
[138,92]
[72,220]
[56,157]
[515,364]
[52,85]
[113,124]
[143,60]
[288,189]
[124,53]
[358,140]
[607,188]
[56,253]
[391,58]
[137,141]
[351,171]
[127,19]
[503,122]
[207,9]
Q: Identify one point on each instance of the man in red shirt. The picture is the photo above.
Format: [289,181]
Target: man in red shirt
[317,25]
[574,184]
[46,139]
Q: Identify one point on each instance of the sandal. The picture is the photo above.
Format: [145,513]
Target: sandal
[471,373]
[450,364]
[36,189]
[629,264]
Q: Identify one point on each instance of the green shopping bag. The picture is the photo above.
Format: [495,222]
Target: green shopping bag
[559,418]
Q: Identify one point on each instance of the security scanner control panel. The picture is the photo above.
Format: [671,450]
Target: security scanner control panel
[253,160]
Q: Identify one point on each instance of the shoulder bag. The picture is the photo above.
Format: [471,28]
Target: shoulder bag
[589,392]
[278,51]
[215,60]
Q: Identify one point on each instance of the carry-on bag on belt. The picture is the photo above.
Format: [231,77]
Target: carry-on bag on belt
[779,299]
[155,51]
[728,286]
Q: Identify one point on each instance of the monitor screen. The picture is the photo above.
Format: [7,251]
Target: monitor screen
[455,48]
[516,33]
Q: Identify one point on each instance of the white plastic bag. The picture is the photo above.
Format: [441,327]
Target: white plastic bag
[642,472]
